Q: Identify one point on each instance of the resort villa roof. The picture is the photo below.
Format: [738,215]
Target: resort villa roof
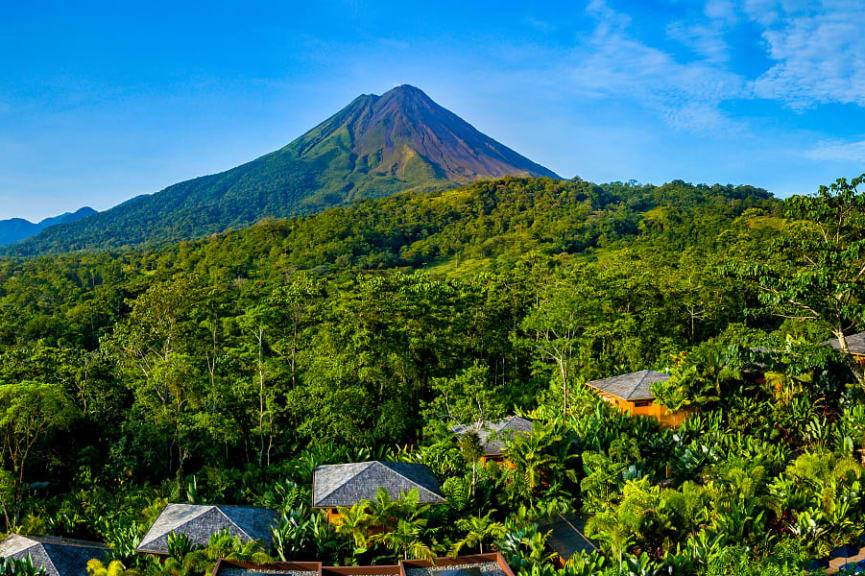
[199,522]
[494,435]
[336,485]
[568,536]
[57,556]
[855,343]
[473,565]
[635,386]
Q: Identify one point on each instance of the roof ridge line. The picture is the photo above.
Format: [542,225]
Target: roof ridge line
[338,486]
[407,478]
[204,507]
[232,522]
[639,382]
[48,557]
[577,530]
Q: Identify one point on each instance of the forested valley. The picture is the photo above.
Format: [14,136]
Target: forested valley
[224,370]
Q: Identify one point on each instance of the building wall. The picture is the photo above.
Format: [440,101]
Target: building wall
[652,409]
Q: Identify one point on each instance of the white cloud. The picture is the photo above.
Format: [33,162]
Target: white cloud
[818,49]
[816,52]
[721,10]
[687,95]
[838,151]
[706,40]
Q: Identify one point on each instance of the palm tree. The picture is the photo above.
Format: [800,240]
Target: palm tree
[405,540]
[478,530]
[355,522]
[528,453]
[608,527]
[95,567]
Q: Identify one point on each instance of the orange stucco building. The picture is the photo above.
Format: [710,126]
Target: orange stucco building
[632,393]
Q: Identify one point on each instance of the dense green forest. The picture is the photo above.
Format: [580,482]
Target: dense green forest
[225,369]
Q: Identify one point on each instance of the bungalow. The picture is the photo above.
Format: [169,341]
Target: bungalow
[57,556]
[632,393]
[473,565]
[494,435]
[855,344]
[567,536]
[338,485]
[199,522]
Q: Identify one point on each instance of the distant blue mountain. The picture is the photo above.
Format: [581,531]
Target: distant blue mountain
[17,229]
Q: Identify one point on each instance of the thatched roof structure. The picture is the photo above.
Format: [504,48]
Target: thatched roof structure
[494,435]
[631,387]
[347,484]
[58,556]
[199,522]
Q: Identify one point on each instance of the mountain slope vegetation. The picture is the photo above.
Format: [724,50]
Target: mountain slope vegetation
[16,229]
[225,369]
[376,146]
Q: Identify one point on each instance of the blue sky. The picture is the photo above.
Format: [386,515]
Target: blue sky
[100,102]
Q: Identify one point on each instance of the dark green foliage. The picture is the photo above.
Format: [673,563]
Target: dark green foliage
[226,369]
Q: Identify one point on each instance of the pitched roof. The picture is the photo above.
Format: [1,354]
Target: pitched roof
[494,435]
[633,386]
[568,535]
[346,484]
[198,522]
[855,343]
[58,556]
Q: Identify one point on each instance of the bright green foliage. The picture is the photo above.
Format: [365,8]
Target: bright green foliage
[23,567]
[226,370]
[816,270]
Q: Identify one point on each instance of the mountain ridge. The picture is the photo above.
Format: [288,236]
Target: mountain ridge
[376,146]
[14,230]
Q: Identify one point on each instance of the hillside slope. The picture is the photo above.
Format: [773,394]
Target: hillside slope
[18,229]
[375,147]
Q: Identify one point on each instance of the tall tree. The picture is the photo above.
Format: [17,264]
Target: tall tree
[28,412]
[816,268]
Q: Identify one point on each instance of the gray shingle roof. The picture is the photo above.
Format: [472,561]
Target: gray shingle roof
[198,522]
[568,535]
[494,435]
[855,343]
[633,386]
[346,484]
[59,556]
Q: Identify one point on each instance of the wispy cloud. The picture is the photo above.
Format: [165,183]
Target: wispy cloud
[838,151]
[687,95]
[818,49]
[816,52]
